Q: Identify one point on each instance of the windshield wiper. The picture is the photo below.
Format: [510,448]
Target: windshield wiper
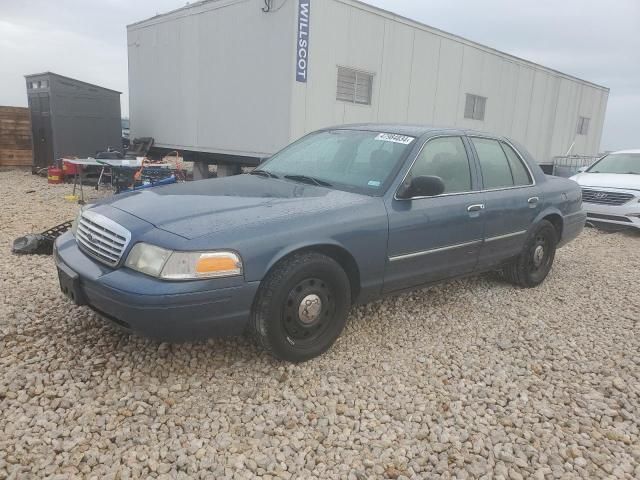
[632,173]
[307,179]
[263,173]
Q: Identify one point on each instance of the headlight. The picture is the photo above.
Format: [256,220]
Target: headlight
[190,265]
[147,259]
[169,265]
[74,224]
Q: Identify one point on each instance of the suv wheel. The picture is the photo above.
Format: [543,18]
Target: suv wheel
[531,267]
[301,307]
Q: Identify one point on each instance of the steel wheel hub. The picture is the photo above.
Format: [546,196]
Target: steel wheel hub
[310,309]
[538,255]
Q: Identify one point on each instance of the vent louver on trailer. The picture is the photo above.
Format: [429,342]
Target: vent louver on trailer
[354,86]
[474,107]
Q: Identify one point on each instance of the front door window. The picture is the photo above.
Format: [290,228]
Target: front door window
[446,158]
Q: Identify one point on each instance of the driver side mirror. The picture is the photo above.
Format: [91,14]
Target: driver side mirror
[422,186]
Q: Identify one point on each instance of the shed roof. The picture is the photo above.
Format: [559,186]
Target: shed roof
[70,79]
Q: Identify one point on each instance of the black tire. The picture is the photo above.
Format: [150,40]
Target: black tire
[286,319]
[531,267]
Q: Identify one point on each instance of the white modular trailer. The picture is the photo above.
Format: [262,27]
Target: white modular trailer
[243,78]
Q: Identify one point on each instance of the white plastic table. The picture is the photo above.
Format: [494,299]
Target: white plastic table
[93,162]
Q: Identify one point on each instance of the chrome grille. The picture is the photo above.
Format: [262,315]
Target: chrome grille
[605,198]
[102,238]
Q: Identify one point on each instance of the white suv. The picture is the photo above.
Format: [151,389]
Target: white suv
[611,189]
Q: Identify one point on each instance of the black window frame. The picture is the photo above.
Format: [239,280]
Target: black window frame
[518,154]
[471,158]
[529,173]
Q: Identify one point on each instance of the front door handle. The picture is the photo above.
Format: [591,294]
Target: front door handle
[475,208]
[533,202]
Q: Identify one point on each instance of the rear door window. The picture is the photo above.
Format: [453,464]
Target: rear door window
[520,174]
[496,172]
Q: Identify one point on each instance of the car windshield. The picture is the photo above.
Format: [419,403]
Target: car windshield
[352,160]
[617,163]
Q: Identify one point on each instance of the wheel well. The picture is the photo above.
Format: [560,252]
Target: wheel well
[556,221]
[344,259]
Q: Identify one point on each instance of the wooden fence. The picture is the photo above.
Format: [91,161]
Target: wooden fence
[15,137]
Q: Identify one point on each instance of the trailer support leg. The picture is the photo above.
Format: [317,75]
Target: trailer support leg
[227,169]
[200,170]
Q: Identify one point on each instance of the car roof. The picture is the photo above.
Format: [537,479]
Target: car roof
[626,151]
[413,130]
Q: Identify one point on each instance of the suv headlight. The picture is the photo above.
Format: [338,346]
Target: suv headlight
[74,223]
[170,265]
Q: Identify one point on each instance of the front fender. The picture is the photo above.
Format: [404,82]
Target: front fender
[360,244]
[308,245]
[360,232]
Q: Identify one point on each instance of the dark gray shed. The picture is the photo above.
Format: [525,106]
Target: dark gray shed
[71,118]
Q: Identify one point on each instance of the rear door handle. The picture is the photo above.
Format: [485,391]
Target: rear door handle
[475,208]
[533,201]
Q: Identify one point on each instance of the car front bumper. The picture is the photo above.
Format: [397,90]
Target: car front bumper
[627,215]
[173,311]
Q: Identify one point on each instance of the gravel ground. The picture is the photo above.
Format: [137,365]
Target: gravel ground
[470,379]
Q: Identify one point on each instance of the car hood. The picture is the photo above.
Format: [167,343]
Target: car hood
[196,209]
[608,180]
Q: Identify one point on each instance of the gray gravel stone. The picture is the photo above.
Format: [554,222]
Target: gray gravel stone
[474,378]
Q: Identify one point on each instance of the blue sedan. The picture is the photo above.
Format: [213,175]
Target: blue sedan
[343,216]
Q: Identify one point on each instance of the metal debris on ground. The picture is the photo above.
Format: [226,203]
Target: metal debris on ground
[40,243]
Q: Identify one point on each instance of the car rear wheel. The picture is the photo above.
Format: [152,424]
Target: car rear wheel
[301,307]
[534,263]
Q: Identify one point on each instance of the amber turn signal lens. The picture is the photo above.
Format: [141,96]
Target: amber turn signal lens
[210,263]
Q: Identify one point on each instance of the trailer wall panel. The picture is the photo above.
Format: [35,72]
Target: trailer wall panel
[449,78]
[395,72]
[219,76]
[334,18]
[424,78]
[364,52]
[214,77]
[423,75]
[506,101]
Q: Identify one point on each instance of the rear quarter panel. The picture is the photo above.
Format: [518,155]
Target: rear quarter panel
[564,194]
[559,196]
[564,197]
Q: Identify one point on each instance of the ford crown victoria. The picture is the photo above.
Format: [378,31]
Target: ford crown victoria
[341,217]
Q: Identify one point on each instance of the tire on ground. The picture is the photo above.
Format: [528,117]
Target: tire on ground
[521,271]
[273,306]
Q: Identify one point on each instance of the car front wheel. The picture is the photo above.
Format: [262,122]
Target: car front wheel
[301,307]
[534,263]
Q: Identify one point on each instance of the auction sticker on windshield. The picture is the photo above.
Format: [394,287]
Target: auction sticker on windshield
[390,137]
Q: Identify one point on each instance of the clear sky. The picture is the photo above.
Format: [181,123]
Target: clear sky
[595,40]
